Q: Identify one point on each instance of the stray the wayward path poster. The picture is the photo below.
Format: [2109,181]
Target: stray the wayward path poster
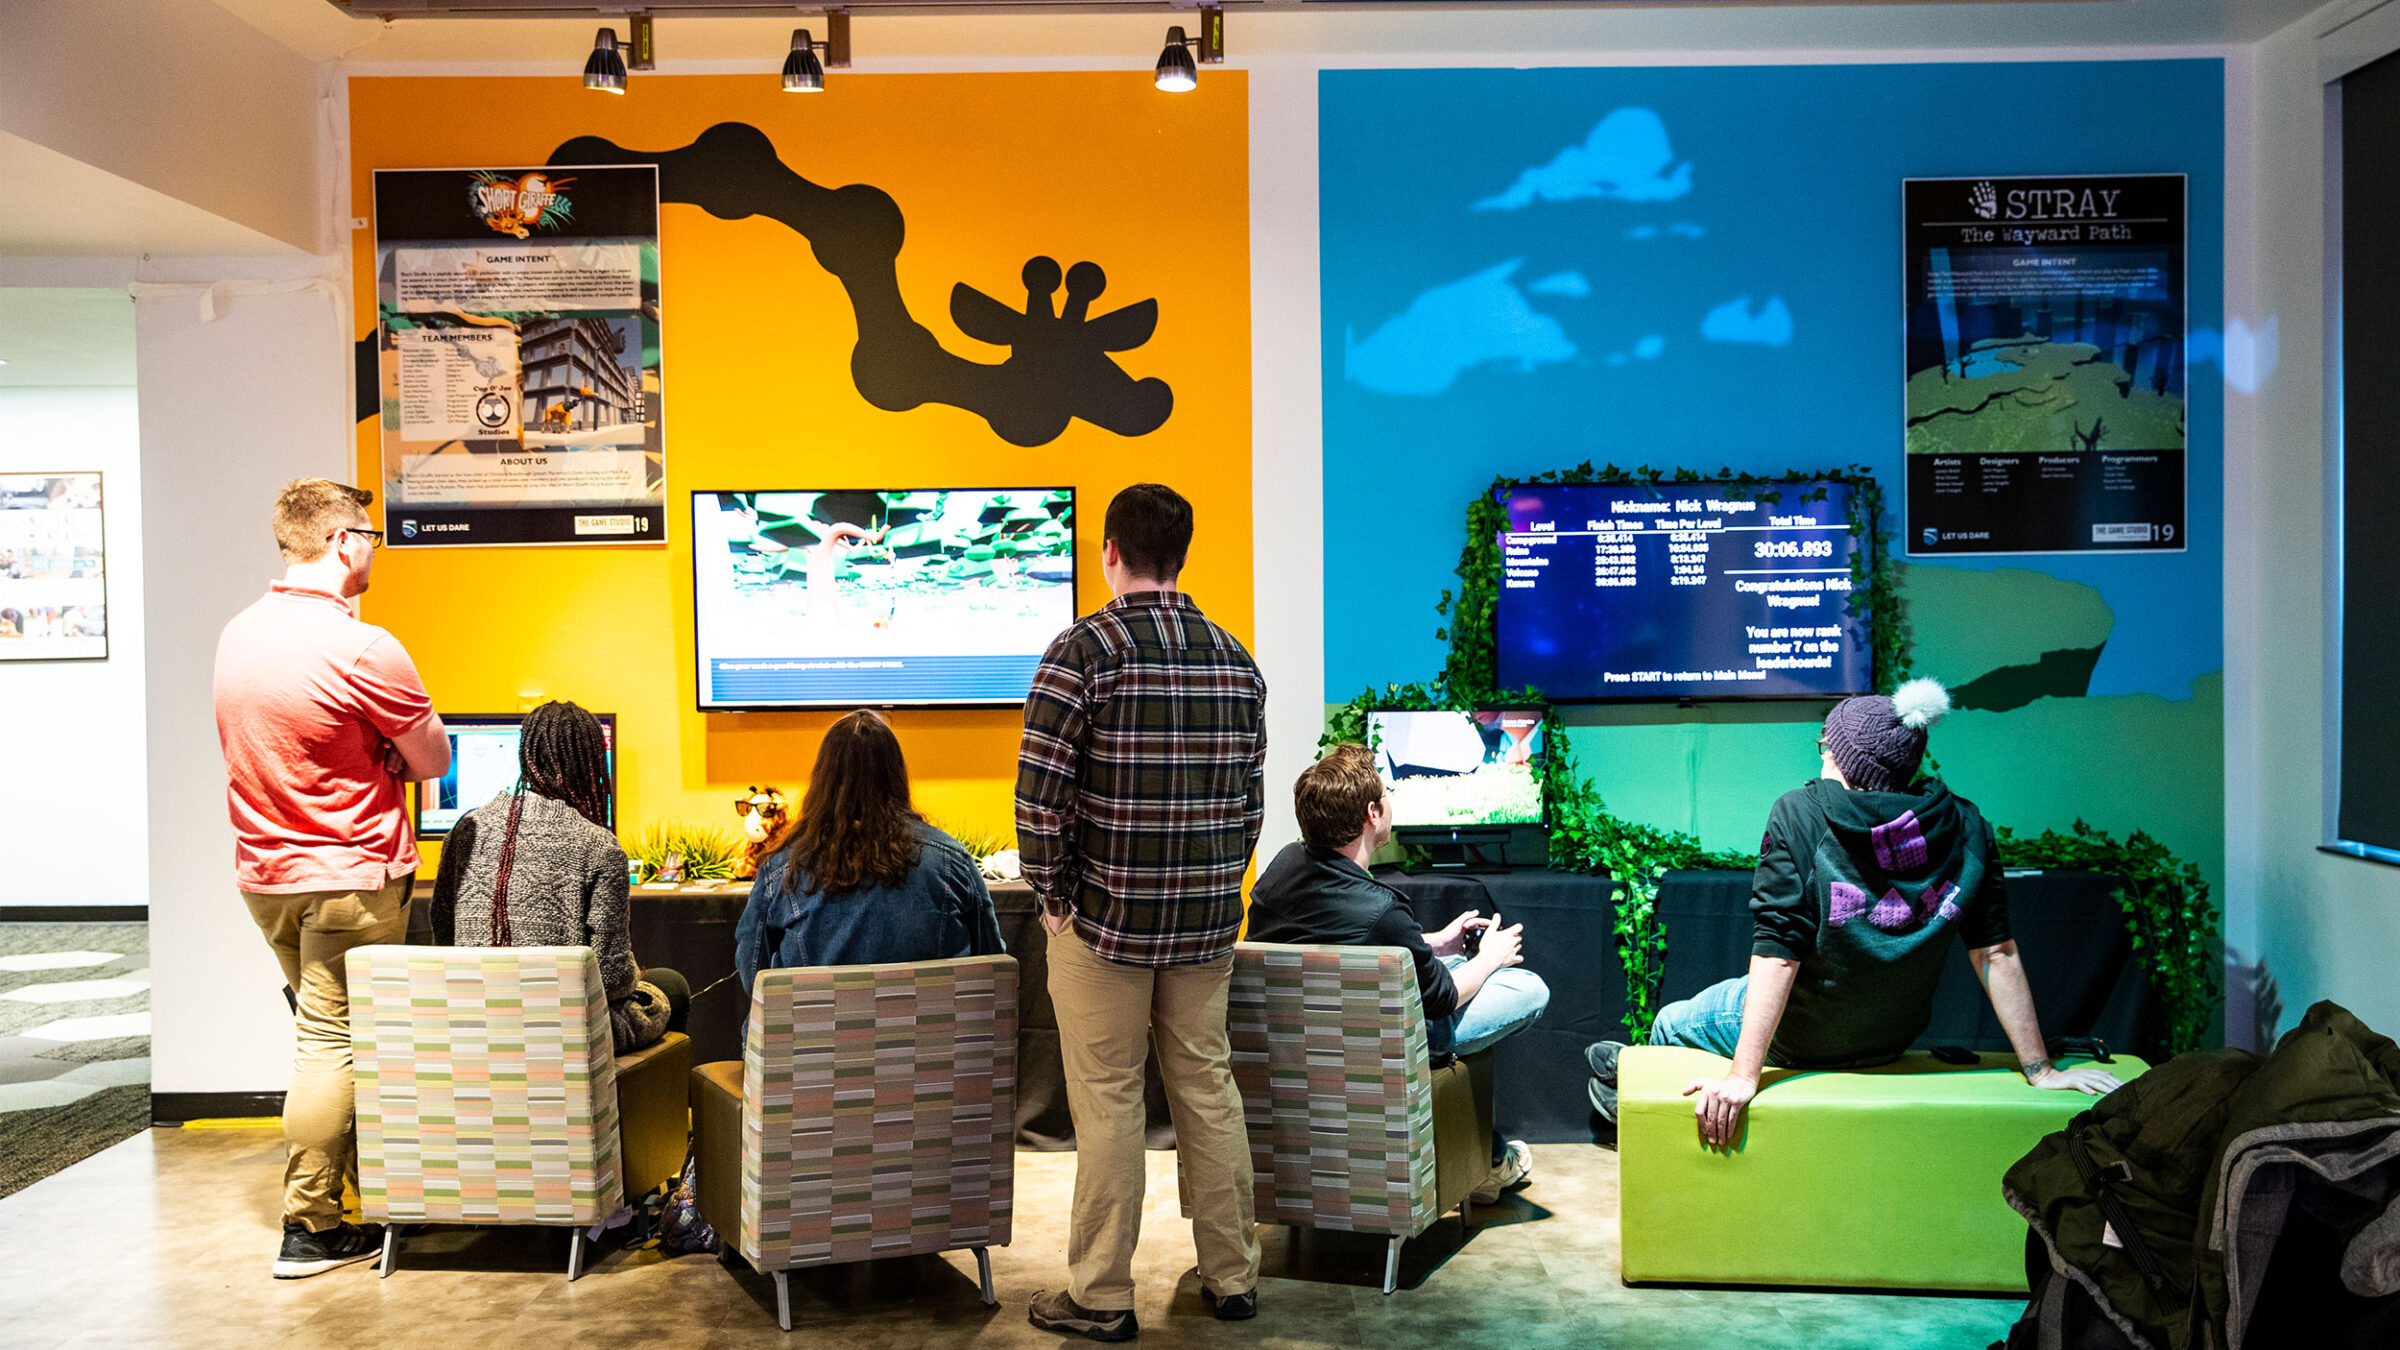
[2046,364]
[518,353]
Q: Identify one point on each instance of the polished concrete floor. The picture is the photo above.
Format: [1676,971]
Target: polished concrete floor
[165,1239]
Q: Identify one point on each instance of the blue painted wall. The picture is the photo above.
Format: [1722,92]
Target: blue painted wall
[1701,267]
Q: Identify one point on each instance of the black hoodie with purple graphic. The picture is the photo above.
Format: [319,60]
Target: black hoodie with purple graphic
[1864,889]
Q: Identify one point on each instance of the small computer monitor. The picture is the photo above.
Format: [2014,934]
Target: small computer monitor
[1478,769]
[483,764]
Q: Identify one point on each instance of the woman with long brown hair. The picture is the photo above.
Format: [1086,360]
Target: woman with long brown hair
[862,879]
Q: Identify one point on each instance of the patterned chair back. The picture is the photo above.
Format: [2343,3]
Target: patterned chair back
[879,1111]
[486,1085]
[1337,1087]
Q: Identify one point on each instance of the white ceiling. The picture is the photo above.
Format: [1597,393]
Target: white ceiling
[56,206]
[58,336]
[320,30]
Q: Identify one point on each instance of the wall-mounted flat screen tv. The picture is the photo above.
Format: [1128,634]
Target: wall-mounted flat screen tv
[1681,591]
[1459,770]
[937,597]
[483,764]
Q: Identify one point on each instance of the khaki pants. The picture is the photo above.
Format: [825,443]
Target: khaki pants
[1107,1015]
[312,934]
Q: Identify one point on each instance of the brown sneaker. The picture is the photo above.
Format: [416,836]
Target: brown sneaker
[1059,1312]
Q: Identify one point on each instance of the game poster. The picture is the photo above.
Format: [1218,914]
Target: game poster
[53,572]
[518,355]
[2046,364]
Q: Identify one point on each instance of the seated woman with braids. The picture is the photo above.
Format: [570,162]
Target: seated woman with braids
[536,868]
[862,879]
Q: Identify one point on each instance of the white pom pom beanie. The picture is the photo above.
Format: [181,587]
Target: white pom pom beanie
[1879,741]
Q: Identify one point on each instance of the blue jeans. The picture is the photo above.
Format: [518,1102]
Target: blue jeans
[1710,1020]
[1511,999]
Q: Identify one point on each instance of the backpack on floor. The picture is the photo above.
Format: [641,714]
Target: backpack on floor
[680,1227]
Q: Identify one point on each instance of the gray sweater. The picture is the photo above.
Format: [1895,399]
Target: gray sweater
[566,887]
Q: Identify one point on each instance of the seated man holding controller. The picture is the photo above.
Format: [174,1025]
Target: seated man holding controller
[1862,878]
[1319,891]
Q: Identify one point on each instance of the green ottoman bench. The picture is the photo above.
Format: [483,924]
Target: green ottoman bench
[1885,1177]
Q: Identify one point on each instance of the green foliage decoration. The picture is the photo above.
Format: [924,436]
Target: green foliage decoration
[2174,925]
[710,852]
[2164,899]
[979,844]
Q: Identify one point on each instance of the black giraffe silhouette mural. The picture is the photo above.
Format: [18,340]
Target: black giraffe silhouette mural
[1059,368]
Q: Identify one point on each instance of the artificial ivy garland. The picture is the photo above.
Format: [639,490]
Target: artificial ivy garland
[2165,901]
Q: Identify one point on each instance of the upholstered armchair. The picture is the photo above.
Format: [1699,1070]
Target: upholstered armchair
[487,1092]
[871,1115]
[1351,1128]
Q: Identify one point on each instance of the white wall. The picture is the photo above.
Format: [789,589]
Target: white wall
[178,96]
[230,411]
[72,794]
[2326,925]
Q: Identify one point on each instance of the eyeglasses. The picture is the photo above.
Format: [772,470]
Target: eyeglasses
[374,537]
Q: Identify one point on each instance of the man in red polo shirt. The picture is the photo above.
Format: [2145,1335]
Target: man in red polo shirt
[322,719]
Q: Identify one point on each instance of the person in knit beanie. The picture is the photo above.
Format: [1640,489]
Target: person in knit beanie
[1878,740]
[1863,876]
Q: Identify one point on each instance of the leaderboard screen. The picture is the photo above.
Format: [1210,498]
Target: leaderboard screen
[1680,591]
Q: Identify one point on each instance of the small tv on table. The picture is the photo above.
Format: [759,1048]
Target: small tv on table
[1460,782]
[927,598]
[483,764]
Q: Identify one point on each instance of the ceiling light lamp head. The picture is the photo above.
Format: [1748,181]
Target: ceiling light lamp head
[605,70]
[1176,72]
[802,72]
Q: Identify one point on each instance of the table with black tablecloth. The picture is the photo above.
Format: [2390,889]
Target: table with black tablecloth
[1570,941]
[2077,958]
[692,932]
[2070,934]
[689,931]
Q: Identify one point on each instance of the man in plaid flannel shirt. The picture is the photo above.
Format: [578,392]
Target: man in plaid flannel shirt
[1140,793]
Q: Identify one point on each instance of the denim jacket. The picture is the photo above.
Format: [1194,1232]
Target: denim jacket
[941,910]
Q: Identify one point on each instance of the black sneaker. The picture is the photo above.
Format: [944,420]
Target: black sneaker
[1604,1099]
[305,1253]
[1061,1313]
[1601,1056]
[1232,1307]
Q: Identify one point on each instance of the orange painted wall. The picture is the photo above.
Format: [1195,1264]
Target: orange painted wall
[989,170]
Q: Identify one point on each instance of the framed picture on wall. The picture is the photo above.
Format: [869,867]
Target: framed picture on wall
[517,342]
[2046,375]
[53,569]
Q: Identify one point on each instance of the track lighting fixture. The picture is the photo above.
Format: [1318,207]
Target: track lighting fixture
[802,72]
[606,70]
[1177,72]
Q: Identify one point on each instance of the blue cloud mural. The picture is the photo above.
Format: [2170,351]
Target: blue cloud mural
[1625,159]
[1480,320]
[1733,321]
[1569,284]
[1645,350]
[1806,216]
